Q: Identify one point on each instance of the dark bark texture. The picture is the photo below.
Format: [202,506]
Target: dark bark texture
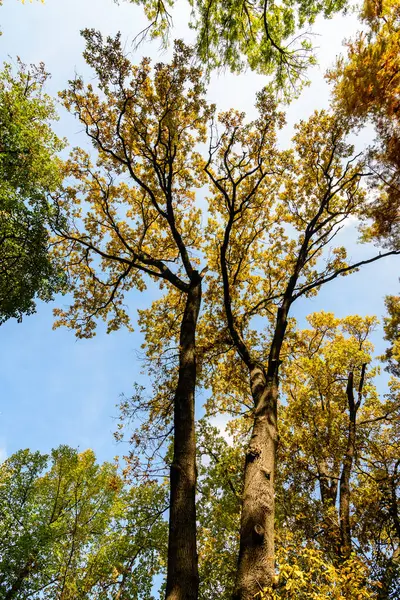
[182,569]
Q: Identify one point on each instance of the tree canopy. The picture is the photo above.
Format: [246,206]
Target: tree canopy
[221,229]
[367,87]
[29,171]
[268,37]
[71,528]
[274,217]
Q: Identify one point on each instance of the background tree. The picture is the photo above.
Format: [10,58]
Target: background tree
[73,529]
[329,394]
[219,500]
[377,502]
[339,485]
[317,494]
[392,334]
[138,223]
[29,170]
[366,86]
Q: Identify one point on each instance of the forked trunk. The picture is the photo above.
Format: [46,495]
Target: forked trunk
[256,566]
[182,568]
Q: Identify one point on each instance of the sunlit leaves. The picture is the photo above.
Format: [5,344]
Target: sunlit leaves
[240,33]
[72,528]
[367,86]
[139,217]
[29,170]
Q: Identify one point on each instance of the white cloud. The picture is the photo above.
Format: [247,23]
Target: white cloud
[220,422]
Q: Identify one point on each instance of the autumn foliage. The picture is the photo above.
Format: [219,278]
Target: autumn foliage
[222,231]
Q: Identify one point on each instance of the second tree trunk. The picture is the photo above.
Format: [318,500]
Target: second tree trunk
[256,567]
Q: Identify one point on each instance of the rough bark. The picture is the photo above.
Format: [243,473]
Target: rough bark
[182,569]
[256,565]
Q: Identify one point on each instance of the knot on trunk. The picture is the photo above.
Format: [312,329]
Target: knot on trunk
[267,474]
[252,453]
[259,533]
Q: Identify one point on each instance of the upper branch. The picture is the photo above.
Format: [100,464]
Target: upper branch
[341,271]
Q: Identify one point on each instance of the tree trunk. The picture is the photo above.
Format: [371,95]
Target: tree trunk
[344,500]
[256,566]
[393,502]
[344,504]
[328,486]
[182,569]
[24,572]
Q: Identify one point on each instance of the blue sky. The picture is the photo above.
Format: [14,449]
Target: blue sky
[56,389]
